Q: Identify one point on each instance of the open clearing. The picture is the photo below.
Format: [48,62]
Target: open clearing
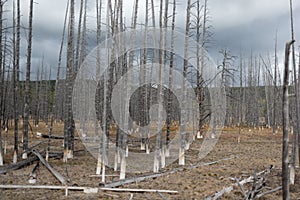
[258,150]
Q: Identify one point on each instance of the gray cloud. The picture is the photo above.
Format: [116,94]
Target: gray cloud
[236,24]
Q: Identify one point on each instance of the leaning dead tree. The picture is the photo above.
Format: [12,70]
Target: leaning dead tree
[285,119]
[55,96]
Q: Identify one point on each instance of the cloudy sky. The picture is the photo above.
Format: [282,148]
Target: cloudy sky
[237,24]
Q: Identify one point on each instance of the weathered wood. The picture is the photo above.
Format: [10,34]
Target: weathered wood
[17,165]
[269,192]
[50,187]
[50,168]
[228,189]
[138,190]
[33,175]
[58,137]
[285,123]
[151,176]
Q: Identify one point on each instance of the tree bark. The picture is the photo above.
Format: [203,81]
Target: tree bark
[68,122]
[285,119]
[27,85]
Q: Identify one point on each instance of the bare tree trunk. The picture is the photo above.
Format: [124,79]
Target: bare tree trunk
[169,107]
[275,90]
[296,125]
[55,98]
[27,85]
[143,93]
[285,119]
[98,98]
[128,83]
[1,85]
[240,97]
[79,32]
[68,122]
[185,66]
[16,83]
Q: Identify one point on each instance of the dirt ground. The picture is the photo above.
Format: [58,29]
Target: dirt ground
[257,150]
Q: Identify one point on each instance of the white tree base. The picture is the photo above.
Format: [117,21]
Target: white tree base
[123,168]
[24,156]
[32,181]
[156,165]
[143,147]
[103,173]
[181,156]
[70,154]
[99,165]
[116,162]
[1,159]
[292,175]
[126,154]
[163,158]
[15,157]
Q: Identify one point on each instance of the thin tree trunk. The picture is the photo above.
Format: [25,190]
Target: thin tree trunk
[16,84]
[275,90]
[98,98]
[285,120]
[27,85]
[68,123]
[169,107]
[79,33]
[185,66]
[240,97]
[55,98]
[296,126]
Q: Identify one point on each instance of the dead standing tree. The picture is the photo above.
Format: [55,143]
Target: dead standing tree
[16,82]
[285,119]
[296,86]
[27,85]
[55,97]
[185,69]
[1,13]
[68,122]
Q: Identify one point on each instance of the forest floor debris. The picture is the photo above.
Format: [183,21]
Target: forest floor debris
[257,151]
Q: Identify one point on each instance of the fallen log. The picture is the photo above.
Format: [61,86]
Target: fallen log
[18,165]
[228,189]
[27,162]
[85,189]
[51,187]
[57,137]
[151,176]
[138,190]
[269,192]
[50,168]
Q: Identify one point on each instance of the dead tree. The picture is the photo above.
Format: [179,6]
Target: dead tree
[185,69]
[296,86]
[285,119]
[98,98]
[16,81]
[240,97]
[169,105]
[275,89]
[55,97]
[68,122]
[1,104]
[79,33]
[27,85]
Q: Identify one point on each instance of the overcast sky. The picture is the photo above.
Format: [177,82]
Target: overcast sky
[237,24]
